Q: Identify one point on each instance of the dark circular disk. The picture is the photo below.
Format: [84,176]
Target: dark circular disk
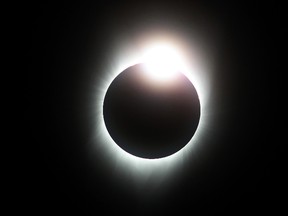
[151,118]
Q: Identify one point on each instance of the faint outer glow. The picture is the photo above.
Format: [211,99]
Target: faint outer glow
[162,58]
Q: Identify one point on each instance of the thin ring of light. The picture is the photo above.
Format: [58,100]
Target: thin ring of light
[194,67]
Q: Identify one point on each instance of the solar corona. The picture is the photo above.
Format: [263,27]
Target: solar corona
[159,66]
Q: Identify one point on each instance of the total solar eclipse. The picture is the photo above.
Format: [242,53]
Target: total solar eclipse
[151,115]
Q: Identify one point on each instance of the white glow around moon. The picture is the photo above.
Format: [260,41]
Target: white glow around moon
[161,57]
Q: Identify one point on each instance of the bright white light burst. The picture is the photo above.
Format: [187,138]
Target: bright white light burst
[162,62]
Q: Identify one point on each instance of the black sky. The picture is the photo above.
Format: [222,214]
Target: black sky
[232,171]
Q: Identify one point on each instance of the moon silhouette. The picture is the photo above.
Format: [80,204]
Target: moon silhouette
[151,118]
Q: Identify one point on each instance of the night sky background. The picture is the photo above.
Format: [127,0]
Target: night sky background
[230,173]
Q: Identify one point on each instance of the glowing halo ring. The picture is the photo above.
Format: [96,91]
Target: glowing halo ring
[142,168]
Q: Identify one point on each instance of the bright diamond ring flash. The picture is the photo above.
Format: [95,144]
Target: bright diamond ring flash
[162,62]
